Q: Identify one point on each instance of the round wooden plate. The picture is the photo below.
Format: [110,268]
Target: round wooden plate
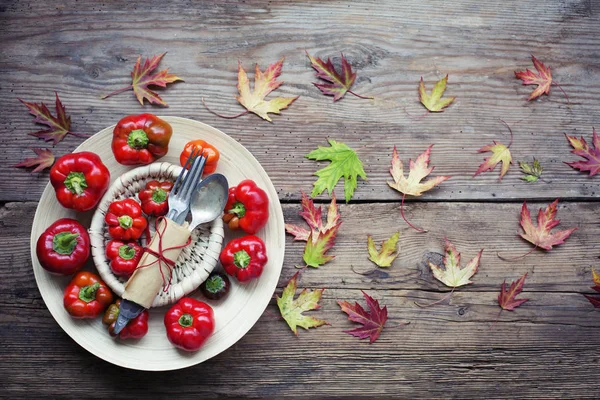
[234,315]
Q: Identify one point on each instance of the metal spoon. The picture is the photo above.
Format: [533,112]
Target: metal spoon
[208,200]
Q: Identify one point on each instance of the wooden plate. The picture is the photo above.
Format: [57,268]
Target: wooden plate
[234,315]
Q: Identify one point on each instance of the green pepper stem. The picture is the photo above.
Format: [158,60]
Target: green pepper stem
[64,242]
[137,139]
[159,195]
[238,209]
[88,293]
[241,259]
[215,284]
[75,182]
[126,252]
[186,320]
[125,221]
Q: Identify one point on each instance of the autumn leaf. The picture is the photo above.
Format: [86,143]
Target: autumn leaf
[344,163]
[254,101]
[338,84]
[388,252]
[372,321]
[543,79]
[507,298]
[500,153]
[315,249]
[591,154]
[451,273]
[419,169]
[44,160]
[532,172]
[58,127]
[312,216]
[595,300]
[142,77]
[291,309]
[433,102]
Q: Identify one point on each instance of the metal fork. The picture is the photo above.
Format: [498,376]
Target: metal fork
[179,198]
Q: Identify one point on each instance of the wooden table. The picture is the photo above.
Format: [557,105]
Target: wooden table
[546,348]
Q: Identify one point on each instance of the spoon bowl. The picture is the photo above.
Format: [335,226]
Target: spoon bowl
[208,200]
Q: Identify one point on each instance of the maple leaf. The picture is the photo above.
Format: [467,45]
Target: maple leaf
[434,102]
[532,172]
[507,298]
[419,169]
[254,101]
[291,309]
[595,301]
[591,154]
[372,321]
[543,79]
[500,153]
[312,216]
[388,252]
[541,236]
[44,160]
[142,77]
[339,83]
[315,249]
[344,163]
[59,126]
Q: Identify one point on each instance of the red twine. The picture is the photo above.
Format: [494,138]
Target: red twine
[160,257]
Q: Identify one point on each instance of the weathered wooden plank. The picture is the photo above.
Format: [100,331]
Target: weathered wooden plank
[479,47]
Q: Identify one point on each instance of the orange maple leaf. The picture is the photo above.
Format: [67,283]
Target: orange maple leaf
[543,79]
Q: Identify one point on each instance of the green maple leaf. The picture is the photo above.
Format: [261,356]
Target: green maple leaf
[532,172]
[316,247]
[344,163]
[388,252]
[291,310]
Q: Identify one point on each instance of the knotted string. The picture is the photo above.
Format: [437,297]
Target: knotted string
[160,256]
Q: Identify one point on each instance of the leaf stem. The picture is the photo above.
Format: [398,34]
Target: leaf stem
[427,112]
[83,135]
[436,302]
[223,116]
[404,217]
[516,258]
[117,92]
[358,95]
[562,90]
[497,317]
[511,133]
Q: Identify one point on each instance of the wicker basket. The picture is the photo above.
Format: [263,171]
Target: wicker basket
[195,262]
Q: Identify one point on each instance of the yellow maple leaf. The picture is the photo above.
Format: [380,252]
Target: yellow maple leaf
[500,153]
[434,102]
[388,252]
[451,273]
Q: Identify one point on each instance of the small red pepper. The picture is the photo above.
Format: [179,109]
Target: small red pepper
[210,151]
[125,220]
[124,257]
[80,180]
[244,258]
[64,247]
[141,139]
[189,323]
[136,328]
[154,198]
[247,207]
[86,296]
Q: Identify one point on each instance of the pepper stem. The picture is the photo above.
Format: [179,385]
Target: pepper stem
[125,221]
[64,243]
[186,320]
[75,182]
[126,252]
[238,209]
[159,195]
[88,293]
[137,139]
[215,284]
[241,259]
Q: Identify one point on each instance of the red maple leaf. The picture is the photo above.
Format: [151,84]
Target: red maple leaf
[339,83]
[592,154]
[507,299]
[44,160]
[595,300]
[372,320]
[543,79]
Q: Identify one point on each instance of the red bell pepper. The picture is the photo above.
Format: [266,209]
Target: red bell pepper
[64,247]
[141,139]
[247,207]
[125,220]
[124,257]
[136,328]
[189,323]
[80,180]
[244,258]
[87,296]
[210,151]
[154,198]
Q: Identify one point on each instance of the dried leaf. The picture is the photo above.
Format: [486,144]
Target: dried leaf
[500,153]
[451,273]
[142,77]
[507,298]
[291,309]
[339,83]
[44,160]
[532,172]
[540,235]
[591,154]
[372,321]
[434,102]
[388,252]
[312,216]
[595,300]
[315,249]
[344,163]
[419,169]
[59,126]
